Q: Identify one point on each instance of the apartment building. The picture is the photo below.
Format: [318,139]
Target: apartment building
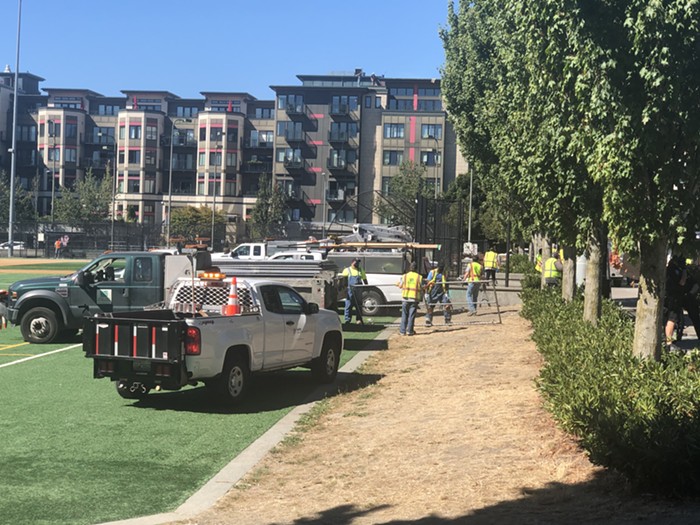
[331,142]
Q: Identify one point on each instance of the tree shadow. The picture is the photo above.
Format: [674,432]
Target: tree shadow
[363,345]
[603,500]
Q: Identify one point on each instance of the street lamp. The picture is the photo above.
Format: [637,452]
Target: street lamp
[435,159]
[52,135]
[114,185]
[213,196]
[170,177]
[469,229]
[325,203]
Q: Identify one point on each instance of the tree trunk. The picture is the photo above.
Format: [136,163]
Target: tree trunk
[652,288]
[568,279]
[546,252]
[594,277]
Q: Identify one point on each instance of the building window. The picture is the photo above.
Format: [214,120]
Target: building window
[430,158]
[378,102]
[291,103]
[202,134]
[216,134]
[343,103]
[150,157]
[368,101]
[151,133]
[401,104]
[231,160]
[401,92]
[202,159]
[288,155]
[386,184]
[431,131]
[290,130]
[54,129]
[232,135]
[264,113]
[26,133]
[215,158]
[185,111]
[71,130]
[428,92]
[106,109]
[393,157]
[393,131]
[430,105]
[122,132]
[134,156]
[70,155]
[149,183]
[54,154]
[135,132]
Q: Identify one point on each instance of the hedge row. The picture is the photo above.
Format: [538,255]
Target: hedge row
[638,417]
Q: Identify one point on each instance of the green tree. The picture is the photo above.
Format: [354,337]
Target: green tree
[269,216]
[195,222]
[88,202]
[24,205]
[398,206]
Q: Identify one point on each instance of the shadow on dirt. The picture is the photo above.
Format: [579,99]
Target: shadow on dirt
[602,500]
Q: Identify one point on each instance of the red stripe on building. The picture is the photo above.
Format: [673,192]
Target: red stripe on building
[415,97]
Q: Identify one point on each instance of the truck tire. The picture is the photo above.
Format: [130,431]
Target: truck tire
[129,390]
[325,367]
[234,380]
[372,300]
[40,325]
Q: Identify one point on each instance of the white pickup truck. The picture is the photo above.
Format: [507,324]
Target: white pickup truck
[172,347]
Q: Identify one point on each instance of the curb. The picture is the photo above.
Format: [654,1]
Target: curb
[232,473]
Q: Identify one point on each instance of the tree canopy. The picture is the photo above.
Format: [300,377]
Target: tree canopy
[269,216]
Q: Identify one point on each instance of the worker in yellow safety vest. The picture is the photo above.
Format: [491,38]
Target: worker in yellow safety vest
[411,285]
[538,261]
[472,276]
[553,269]
[490,265]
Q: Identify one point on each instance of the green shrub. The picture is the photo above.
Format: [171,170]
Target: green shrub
[639,417]
[520,263]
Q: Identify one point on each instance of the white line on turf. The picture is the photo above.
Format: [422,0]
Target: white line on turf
[40,355]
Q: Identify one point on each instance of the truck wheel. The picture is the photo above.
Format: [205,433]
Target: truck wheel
[129,390]
[39,325]
[372,300]
[234,380]
[325,367]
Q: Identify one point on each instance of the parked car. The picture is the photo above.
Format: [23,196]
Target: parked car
[17,245]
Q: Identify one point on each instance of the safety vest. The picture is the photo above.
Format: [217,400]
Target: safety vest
[550,269]
[435,278]
[473,274]
[490,260]
[410,286]
[538,263]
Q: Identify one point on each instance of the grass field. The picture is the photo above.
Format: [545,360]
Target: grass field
[75,452]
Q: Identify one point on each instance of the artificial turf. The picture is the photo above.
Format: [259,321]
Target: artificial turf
[73,451]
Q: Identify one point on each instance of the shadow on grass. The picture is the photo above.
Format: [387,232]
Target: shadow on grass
[602,500]
[268,393]
[363,345]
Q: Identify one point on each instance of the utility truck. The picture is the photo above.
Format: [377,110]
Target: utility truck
[215,330]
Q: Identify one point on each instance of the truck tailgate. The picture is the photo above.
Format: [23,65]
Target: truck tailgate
[136,348]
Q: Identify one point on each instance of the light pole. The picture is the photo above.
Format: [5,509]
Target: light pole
[13,149]
[170,177]
[218,159]
[114,185]
[469,229]
[435,159]
[52,135]
[325,203]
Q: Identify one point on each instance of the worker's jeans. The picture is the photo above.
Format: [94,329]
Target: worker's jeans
[408,316]
[353,302]
[472,295]
[433,302]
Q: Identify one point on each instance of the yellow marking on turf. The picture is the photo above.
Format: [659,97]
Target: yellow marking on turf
[12,346]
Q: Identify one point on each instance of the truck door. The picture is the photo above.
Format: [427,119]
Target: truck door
[103,288]
[275,326]
[300,328]
[146,281]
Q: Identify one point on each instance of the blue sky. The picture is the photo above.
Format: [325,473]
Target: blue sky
[186,47]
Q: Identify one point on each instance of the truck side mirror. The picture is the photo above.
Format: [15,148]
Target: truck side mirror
[80,279]
[312,308]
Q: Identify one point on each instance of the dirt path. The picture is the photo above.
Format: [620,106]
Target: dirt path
[450,430]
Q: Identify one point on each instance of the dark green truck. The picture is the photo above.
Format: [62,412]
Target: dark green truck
[48,308]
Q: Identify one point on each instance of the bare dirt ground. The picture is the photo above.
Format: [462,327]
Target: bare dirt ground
[448,428]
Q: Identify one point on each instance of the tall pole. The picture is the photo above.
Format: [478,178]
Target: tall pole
[170,187]
[52,134]
[325,203]
[213,199]
[114,189]
[469,230]
[13,167]
[437,150]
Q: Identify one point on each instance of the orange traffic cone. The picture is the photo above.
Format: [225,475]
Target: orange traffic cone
[232,308]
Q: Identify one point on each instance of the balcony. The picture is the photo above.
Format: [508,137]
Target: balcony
[340,110]
[257,167]
[295,110]
[258,145]
[342,137]
[335,195]
[295,164]
[337,164]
